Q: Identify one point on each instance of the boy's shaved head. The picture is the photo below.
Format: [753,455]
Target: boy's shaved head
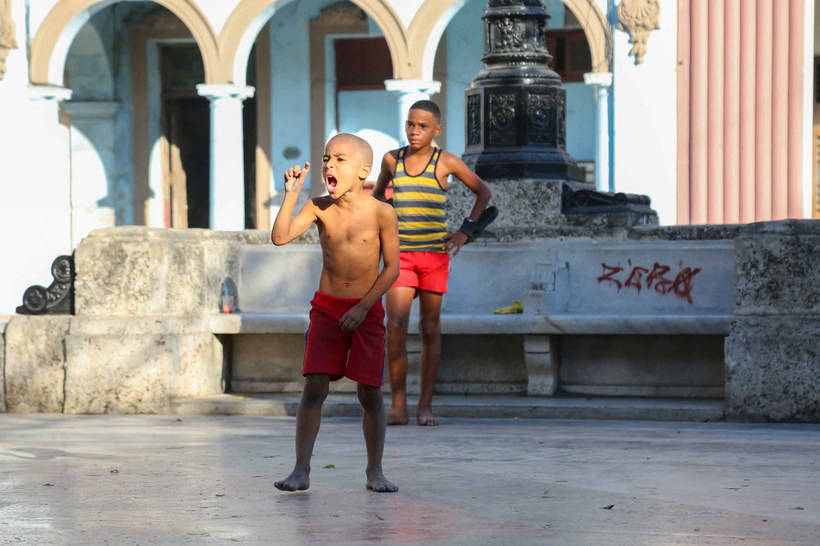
[359,144]
[427,106]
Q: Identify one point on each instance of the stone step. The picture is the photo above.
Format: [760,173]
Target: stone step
[494,406]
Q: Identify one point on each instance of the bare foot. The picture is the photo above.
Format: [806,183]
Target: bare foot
[298,480]
[425,417]
[378,483]
[397,417]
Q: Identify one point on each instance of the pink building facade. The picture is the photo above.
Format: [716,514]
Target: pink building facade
[745,143]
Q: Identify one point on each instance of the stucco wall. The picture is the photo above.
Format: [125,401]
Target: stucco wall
[34,211]
[645,106]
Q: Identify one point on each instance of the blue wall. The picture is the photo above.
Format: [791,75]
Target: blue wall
[371,114]
[290,85]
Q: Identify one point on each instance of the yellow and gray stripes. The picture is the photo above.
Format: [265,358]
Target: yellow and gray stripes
[419,202]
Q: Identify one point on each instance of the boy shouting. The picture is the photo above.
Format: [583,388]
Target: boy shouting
[419,173]
[346,333]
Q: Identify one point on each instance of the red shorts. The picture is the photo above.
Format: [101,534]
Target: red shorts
[357,355]
[424,270]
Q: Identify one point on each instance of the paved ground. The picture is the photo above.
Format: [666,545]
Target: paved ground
[208,480]
[474,405]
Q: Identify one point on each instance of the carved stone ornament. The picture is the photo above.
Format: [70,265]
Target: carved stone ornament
[639,18]
[7,33]
[58,298]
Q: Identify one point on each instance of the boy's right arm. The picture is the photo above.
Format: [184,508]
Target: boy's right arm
[285,229]
[385,176]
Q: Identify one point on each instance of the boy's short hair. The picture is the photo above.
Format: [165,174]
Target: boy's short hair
[363,148]
[427,106]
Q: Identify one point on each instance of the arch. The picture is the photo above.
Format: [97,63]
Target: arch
[50,45]
[431,20]
[249,16]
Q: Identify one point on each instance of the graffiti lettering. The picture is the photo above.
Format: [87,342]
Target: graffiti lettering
[642,277]
[634,279]
[607,276]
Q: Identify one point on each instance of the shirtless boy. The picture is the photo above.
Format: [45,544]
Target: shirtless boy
[346,333]
[419,173]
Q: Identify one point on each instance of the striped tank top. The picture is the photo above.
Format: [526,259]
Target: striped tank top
[419,202]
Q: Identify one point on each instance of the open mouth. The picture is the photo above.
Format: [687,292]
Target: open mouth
[331,183]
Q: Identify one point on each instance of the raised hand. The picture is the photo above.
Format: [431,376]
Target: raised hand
[295,178]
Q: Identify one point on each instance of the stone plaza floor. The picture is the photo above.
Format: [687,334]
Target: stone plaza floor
[126,480]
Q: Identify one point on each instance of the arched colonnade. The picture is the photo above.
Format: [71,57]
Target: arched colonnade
[225,54]
[225,57]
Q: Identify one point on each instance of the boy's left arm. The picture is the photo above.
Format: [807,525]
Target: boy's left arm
[460,170]
[389,239]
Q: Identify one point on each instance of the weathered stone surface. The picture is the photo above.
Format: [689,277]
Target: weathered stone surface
[773,369]
[772,352]
[541,358]
[267,363]
[279,279]
[701,232]
[676,366]
[139,373]
[3,324]
[777,268]
[146,271]
[35,363]
[522,204]
[482,365]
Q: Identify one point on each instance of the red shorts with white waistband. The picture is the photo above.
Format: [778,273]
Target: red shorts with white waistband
[357,355]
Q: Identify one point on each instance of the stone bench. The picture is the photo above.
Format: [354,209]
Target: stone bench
[646,315]
[572,290]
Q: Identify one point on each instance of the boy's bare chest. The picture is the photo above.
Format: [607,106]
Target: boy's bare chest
[340,229]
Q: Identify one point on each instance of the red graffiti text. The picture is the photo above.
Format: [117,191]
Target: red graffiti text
[642,278]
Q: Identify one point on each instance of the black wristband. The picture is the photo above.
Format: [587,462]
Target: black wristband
[470,229]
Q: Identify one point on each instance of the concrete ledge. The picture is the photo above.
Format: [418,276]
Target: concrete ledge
[3,324]
[471,324]
[478,406]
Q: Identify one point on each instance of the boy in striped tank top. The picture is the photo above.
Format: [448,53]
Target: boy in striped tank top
[419,173]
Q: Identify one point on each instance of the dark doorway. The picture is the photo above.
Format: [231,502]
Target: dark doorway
[249,144]
[185,138]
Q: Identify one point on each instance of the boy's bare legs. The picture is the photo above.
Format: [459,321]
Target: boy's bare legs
[373,424]
[307,428]
[430,328]
[399,300]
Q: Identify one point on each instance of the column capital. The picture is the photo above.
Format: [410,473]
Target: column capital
[413,87]
[48,93]
[215,91]
[601,79]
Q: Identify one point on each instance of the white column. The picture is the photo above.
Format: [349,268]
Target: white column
[227,196]
[49,176]
[410,91]
[601,81]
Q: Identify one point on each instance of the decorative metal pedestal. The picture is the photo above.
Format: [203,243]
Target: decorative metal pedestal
[516,106]
[58,298]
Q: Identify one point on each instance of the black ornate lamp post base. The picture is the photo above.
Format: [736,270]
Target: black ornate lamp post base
[516,106]
[524,163]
